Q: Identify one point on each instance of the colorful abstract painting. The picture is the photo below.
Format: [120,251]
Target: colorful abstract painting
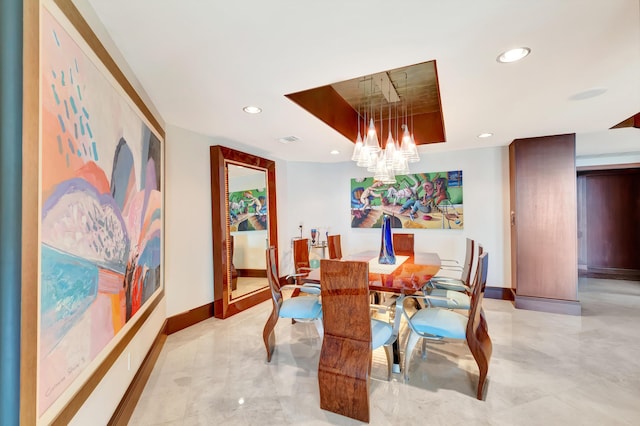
[101,218]
[421,200]
[248,210]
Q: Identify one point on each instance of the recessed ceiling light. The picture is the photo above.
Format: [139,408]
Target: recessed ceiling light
[485,135]
[513,55]
[335,152]
[252,109]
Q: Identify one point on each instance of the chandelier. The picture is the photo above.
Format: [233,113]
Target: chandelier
[385,162]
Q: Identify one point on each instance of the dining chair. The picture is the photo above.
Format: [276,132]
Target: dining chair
[301,255]
[454,263]
[453,293]
[461,283]
[305,308]
[301,263]
[335,246]
[403,244]
[438,324]
[350,336]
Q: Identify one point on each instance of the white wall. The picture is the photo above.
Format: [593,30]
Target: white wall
[320,196]
[617,146]
[609,160]
[188,269]
[188,245]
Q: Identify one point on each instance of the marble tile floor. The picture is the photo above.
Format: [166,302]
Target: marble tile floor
[546,369]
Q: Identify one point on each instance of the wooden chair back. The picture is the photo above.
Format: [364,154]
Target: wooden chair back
[301,253]
[403,244]
[477,335]
[273,279]
[296,308]
[345,358]
[477,269]
[335,246]
[468,262]
[276,297]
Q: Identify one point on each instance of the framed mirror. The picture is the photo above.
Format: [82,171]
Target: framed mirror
[243,210]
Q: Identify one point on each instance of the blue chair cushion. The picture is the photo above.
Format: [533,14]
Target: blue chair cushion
[455,299]
[380,332]
[310,289]
[440,322]
[301,307]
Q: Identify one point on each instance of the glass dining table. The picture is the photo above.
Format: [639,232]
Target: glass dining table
[406,276]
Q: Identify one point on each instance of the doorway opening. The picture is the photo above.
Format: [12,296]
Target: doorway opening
[609,221]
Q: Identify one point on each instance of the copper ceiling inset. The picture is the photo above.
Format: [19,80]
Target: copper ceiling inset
[410,93]
[633,121]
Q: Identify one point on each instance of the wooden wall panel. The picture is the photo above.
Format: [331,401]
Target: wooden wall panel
[545,217]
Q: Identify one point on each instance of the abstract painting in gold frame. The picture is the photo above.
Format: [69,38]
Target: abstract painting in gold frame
[101,219]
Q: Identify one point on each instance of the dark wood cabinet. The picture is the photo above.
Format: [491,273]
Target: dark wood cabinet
[544,247]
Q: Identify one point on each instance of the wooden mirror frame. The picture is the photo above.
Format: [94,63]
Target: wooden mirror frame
[223,306]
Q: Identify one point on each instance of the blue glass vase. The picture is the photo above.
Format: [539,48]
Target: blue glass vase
[387,256]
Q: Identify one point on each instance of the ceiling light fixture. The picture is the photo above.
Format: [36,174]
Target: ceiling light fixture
[288,139]
[485,135]
[513,55]
[392,158]
[335,152]
[249,109]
